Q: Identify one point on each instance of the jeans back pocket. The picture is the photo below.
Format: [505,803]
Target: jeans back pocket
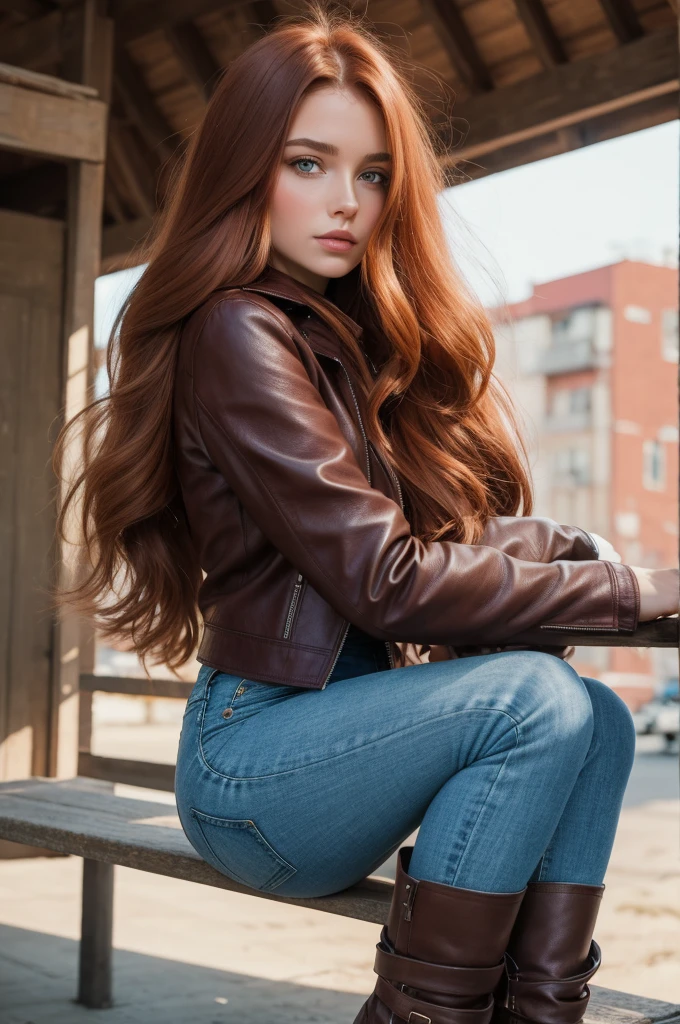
[236,847]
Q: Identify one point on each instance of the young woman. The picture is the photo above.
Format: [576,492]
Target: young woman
[304,442]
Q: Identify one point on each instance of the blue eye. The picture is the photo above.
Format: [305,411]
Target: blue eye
[311,160]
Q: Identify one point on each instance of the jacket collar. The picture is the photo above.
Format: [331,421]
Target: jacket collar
[275,282]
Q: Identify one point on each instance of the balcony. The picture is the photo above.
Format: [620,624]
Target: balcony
[567,357]
[569,422]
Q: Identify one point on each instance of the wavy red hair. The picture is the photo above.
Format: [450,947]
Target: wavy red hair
[435,409]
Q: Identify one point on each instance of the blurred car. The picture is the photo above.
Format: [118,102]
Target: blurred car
[646,716]
[667,721]
[660,716]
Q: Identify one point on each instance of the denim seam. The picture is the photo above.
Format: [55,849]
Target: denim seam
[283,867]
[321,760]
[486,798]
[203,693]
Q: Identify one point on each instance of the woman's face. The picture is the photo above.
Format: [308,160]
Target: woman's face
[333,176]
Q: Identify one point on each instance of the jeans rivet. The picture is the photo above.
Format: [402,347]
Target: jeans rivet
[227,713]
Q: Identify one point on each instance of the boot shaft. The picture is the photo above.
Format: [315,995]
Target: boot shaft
[551,955]
[445,924]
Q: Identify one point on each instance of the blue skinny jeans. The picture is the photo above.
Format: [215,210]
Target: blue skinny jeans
[512,765]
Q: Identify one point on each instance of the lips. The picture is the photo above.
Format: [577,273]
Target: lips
[336,242]
[346,235]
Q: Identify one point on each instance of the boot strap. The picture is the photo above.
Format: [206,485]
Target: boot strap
[567,997]
[595,956]
[439,979]
[417,1011]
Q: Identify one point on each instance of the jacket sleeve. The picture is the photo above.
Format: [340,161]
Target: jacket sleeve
[538,539]
[267,430]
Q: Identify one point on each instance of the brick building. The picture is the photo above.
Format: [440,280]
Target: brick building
[592,362]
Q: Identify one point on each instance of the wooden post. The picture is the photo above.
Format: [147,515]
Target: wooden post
[88,52]
[94,979]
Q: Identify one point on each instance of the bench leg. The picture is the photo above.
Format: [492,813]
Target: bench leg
[94,981]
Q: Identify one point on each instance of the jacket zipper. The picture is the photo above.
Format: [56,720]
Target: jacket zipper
[383,461]
[368,477]
[293,603]
[589,629]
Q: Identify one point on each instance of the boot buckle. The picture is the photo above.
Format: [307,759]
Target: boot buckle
[418,1018]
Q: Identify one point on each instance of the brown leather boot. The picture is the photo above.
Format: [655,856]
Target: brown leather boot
[440,955]
[551,955]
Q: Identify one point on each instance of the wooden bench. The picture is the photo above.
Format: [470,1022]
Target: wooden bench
[84,818]
[78,817]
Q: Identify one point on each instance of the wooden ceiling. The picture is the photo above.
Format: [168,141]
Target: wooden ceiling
[530,79]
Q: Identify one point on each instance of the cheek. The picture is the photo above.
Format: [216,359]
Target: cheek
[291,204]
[373,206]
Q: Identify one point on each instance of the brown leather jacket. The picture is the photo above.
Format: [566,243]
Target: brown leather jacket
[299,523]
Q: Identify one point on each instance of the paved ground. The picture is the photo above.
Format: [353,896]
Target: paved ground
[192,955]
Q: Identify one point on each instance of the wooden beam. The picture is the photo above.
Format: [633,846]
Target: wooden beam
[194,55]
[87,49]
[136,686]
[130,170]
[96,936]
[652,112]
[24,8]
[541,32]
[140,106]
[44,83]
[34,44]
[659,110]
[134,19]
[147,774]
[52,126]
[457,39]
[623,20]
[569,94]
[86,38]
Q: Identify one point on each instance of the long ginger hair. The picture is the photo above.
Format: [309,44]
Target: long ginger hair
[435,409]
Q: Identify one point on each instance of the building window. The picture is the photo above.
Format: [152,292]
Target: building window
[567,401]
[638,314]
[576,325]
[580,400]
[653,466]
[572,467]
[669,335]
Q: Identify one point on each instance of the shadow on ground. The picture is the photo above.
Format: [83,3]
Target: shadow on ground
[38,975]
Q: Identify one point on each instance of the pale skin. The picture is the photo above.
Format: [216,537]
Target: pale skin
[342,184]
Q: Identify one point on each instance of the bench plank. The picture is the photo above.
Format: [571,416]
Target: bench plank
[77,816]
[148,836]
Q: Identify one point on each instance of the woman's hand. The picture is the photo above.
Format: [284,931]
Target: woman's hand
[658,592]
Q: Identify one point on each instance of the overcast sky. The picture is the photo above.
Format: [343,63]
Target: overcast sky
[596,205]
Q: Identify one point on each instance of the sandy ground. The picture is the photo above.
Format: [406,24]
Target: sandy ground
[186,953]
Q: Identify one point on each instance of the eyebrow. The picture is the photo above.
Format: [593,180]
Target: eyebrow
[326,147]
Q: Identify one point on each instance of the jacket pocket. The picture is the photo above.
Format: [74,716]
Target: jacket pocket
[237,848]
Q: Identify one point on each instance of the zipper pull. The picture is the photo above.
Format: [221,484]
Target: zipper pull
[410,897]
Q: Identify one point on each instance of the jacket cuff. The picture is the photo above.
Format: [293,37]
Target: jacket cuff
[592,542]
[626,593]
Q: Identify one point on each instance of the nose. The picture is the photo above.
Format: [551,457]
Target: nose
[343,198]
